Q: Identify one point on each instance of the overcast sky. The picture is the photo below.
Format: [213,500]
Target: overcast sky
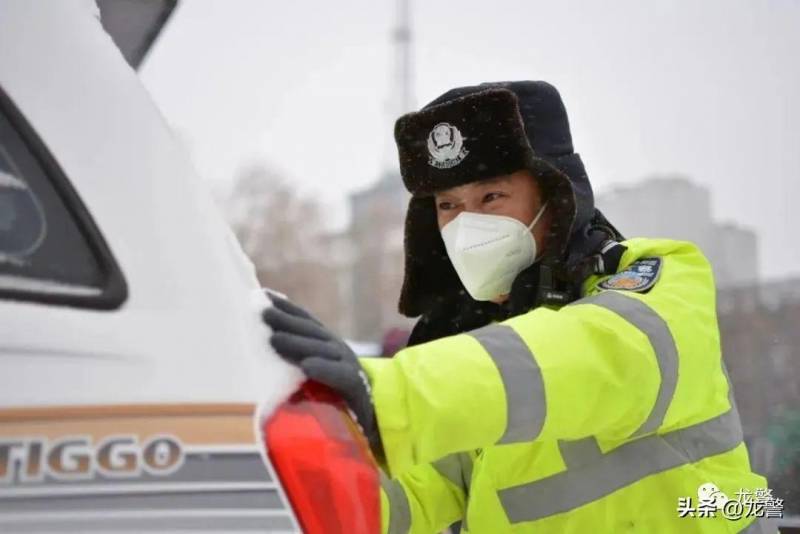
[708,89]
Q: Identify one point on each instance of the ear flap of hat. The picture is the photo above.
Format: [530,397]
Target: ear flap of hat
[429,275]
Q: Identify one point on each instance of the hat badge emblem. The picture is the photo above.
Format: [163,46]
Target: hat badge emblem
[446,146]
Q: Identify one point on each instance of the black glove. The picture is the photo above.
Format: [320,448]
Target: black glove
[302,340]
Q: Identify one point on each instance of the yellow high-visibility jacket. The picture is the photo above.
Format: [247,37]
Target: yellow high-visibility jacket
[595,417]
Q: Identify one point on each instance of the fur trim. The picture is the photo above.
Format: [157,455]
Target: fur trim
[483,132]
[429,274]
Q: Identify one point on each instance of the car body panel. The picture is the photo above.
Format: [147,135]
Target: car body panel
[86,394]
[192,292]
[142,468]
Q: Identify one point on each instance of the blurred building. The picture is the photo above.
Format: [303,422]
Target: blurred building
[377,216]
[761,344]
[761,348]
[367,261]
[340,253]
[676,208]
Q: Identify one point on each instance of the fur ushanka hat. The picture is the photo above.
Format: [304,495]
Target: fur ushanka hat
[472,133]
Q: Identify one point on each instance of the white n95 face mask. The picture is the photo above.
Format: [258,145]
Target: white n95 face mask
[489,251]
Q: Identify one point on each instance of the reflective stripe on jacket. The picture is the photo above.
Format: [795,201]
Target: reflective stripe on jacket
[595,417]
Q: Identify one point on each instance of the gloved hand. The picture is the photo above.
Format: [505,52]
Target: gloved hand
[302,340]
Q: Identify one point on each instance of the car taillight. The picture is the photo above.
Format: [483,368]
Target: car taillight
[324,463]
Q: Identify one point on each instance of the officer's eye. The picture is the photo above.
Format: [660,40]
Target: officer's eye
[445,205]
[489,197]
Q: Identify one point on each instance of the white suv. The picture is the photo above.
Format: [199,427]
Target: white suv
[138,392]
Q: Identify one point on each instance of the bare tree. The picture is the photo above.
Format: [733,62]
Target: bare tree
[281,233]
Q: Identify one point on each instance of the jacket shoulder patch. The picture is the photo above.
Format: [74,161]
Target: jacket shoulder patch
[640,276]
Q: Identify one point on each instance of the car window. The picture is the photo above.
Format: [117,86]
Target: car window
[50,250]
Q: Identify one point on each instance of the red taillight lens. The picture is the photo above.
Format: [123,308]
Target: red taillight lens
[324,463]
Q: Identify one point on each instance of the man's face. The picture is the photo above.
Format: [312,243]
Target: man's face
[516,195]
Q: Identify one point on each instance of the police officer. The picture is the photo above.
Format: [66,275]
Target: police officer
[560,378]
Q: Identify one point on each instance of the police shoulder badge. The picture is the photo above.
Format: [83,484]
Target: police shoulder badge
[445,146]
[639,276]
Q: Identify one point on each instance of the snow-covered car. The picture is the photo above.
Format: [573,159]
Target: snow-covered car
[138,392]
